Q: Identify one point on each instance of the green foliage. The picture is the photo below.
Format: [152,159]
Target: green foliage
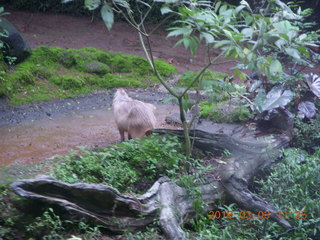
[227,112]
[306,135]
[264,45]
[53,72]
[96,167]
[120,166]
[293,186]
[151,233]
[277,97]
[48,226]
[23,219]
[227,228]
[67,82]
[208,78]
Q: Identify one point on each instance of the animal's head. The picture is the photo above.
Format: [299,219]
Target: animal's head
[120,95]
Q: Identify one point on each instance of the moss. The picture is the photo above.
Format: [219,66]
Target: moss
[111,81]
[94,67]
[3,65]
[22,77]
[227,112]
[6,85]
[54,71]
[67,82]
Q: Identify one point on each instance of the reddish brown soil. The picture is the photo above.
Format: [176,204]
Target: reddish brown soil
[76,32]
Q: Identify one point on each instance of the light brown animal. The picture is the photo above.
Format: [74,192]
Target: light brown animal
[132,116]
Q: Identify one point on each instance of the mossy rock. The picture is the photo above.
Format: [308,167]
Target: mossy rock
[68,82]
[95,67]
[54,72]
[226,112]
[67,59]
[112,81]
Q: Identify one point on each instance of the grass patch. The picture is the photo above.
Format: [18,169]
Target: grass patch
[54,73]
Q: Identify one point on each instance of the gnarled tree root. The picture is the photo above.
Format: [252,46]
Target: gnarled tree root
[165,200]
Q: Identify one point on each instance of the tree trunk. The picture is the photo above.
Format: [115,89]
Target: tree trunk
[165,200]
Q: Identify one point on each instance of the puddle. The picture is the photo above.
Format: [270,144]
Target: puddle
[35,141]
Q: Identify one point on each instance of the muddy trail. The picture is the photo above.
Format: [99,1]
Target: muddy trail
[32,133]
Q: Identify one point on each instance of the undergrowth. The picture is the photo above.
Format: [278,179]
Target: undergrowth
[132,165]
[307,135]
[53,72]
[292,187]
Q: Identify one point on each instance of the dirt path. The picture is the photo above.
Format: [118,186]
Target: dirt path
[32,133]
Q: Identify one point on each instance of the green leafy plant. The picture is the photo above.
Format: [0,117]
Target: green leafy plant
[48,226]
[122,165]
[277,97]
[292,187]
[96,167]
[306,135]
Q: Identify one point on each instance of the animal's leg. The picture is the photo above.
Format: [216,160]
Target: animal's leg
[121,135]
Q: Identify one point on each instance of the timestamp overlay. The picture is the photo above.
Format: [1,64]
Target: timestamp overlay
[246,215]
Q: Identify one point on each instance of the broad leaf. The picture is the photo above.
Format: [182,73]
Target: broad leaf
[306,109]
[179,31]
[165,9]
[274,99]
[239,8]
[275,67]
[107,16]
[247,32]
[125,4]
[221,43]
[259,100]
[92,4]
[293,53]
[313,81]
[208,37]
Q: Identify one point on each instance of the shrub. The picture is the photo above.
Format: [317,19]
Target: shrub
[121,165]
[291,186]
[294,186]
[95,167]
[307,135]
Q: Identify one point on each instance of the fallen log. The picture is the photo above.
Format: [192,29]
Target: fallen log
[165,200]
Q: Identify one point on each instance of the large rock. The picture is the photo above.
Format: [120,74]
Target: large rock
[16,45]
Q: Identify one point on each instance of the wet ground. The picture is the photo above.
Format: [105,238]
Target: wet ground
[32,133]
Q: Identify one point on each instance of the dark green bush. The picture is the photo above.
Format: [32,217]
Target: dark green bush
[307,135]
